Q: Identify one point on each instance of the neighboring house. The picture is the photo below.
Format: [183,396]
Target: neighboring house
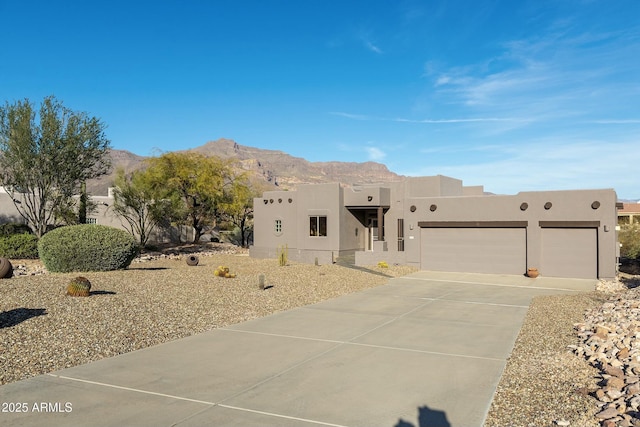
[629,213]
[102,214]
[436,223]
[8,212]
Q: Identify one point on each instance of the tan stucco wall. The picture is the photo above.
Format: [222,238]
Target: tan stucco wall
[565,206]
[345,210]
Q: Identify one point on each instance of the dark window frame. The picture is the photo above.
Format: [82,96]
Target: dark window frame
[318,226]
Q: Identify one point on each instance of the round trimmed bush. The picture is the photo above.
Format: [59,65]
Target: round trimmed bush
[18,246]
[87,247]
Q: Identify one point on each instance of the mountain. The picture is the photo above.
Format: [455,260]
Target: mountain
[119,159]
[276,169]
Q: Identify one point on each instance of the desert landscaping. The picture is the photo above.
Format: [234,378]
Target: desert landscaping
[161,298]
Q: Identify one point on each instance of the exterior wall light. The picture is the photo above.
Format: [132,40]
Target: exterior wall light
[369,198]
[412,208]
[595,205]
[290,200]
[270,200]
[548,205]
[279,200]
[524,206]
[433,208]
[265,201]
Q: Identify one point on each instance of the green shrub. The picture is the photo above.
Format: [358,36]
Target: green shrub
[11,228]
[87,247]
[629,238]
[17,246]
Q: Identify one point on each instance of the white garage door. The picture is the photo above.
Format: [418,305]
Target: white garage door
[476,250]
[570,252]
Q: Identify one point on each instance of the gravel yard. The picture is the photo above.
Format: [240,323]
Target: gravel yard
[543,383]
[43,330]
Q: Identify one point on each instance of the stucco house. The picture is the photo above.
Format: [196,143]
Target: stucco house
[629,213]
[436,223]
[101,214]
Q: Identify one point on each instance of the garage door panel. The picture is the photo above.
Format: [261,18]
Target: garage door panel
[480,250]
[570,252]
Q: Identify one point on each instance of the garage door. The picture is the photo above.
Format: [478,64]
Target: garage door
[476,250]
[570,252]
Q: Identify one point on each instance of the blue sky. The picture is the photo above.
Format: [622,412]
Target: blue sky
[512,95]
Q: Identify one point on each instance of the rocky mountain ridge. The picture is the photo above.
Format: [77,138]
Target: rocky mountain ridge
[275,169]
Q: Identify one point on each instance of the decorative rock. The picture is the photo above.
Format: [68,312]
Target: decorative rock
[614,393]
[632,389]
[614,371]
[602,332]
[607,413]
[564,423]
[614,383]
[610,341]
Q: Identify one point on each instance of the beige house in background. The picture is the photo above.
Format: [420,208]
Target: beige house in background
[436,223]
[629,213]
[102,214]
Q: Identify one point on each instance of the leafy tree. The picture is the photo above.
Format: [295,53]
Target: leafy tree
[198,181]
[629,238]
[237,208]
[142,205]
[45,155]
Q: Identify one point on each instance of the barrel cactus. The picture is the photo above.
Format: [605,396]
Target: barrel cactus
[79,287]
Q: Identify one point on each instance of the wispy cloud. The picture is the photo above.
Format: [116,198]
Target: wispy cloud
[557,74]
[375,153]
[618,122]
[429,121]
[469,120]
[350,116]
[372,47]
[365,36]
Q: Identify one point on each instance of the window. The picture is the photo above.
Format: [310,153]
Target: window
[278,226]
[92,221]
[318,226]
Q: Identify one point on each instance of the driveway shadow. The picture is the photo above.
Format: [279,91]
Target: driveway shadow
[427,418]
[18,315]
[350,262]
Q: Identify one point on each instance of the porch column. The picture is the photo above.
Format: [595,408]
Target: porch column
[380,224]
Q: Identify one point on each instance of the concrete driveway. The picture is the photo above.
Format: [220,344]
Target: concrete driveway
[423,350]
